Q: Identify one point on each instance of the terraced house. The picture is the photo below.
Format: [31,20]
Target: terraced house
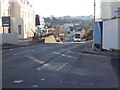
[4,11]
[23,17]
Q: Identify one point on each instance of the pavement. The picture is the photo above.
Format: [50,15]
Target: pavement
[87,48]
[28,42]
[22,43]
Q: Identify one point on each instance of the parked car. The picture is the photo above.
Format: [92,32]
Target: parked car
[77,37]
[57,38]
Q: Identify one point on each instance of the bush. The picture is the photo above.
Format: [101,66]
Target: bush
[88,35]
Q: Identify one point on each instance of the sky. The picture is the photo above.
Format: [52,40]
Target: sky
[58,8]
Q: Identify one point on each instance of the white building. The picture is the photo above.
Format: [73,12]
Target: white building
[4,8]
[6,36]
[42,22]
[109,8]
[83,32]
[4,11]
[23,18]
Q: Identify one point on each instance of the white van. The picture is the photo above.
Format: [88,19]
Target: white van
[77,37]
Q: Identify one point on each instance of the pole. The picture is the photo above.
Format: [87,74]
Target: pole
[93,45]
[94,10]
[3,30]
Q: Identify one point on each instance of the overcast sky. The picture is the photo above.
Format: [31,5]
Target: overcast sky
[57,8]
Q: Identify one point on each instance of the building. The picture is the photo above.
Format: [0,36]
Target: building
[42,22]
[37,20]
[6,36]
[109,9]
[4,11]
[83,32]
[23,18]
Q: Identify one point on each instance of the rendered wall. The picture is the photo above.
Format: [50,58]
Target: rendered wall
[119,33]
[111,34]
[14,27]
[108,8]
[9,38]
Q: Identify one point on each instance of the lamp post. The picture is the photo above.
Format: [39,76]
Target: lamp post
[94,10]
[93,45]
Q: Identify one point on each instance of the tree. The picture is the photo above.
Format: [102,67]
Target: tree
[85,22]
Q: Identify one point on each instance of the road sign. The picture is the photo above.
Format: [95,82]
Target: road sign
[6,21]
[117,12]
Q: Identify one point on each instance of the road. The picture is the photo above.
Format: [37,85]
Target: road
[55,66]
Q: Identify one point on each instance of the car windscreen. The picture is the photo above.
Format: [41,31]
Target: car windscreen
[77,35]
[44,31]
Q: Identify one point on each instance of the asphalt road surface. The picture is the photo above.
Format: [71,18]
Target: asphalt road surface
[55,66]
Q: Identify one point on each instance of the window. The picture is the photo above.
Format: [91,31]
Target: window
[19,29]
[77,35]
[23,1]
[28,15]
[23,14]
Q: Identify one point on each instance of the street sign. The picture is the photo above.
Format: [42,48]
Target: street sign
[117,12]
[6,21]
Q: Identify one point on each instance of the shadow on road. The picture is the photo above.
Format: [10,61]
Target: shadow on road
[115,62]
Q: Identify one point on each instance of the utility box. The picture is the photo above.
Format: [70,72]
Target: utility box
[111,34]
[98,29]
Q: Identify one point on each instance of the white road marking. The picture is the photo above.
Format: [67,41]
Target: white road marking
[58,69]
[35,86]
[24,52]
[61,81]
[64,55]
[68,56]
[36,60]
[42,79]
[45,65]
[74,82]
[38,68]
[91,84]
[61,66]
[42,67]
[18,81]
[57,53]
